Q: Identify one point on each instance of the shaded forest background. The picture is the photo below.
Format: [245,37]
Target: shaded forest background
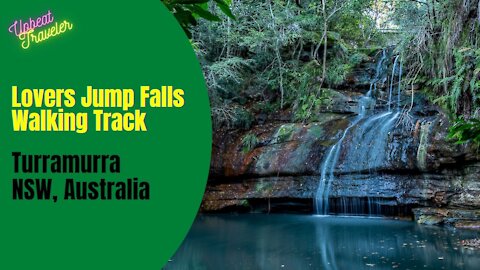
[272,60]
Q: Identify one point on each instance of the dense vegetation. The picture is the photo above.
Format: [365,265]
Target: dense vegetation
[272,57]
[276,55]
[444,57]
[188,11]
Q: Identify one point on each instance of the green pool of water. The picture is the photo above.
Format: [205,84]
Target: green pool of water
[314,242]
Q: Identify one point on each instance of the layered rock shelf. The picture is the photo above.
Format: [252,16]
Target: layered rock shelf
[280,170]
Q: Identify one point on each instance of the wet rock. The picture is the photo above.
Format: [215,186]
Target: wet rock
[280,162]
[429,220]
[475,225]
[340,102]
[291,148]
[219,195]
[471,243]
[456,217]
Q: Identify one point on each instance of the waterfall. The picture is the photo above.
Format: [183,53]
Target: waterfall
[399,84]
[367,148]
[390,90]
[376,78]
[328,167]
[365,151]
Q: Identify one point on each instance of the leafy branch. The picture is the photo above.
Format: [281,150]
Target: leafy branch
[187,12]
[466,131]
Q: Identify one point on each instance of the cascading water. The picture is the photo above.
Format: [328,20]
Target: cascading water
[399,85]
[376,78]
[366,151]
[328,167]
[399,89]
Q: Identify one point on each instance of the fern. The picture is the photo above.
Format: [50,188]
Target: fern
[249,142]
[465,131]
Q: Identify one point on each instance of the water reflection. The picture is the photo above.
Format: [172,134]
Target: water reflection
[314,242]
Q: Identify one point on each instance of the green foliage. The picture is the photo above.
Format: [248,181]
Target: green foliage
[441,46]
[310,106]
[270,58]
[442,55]
[464,131]
[276,56]
[231,116]
[243,118]
[284,133]
[337,71]
[265,107]
[357,58]
[464,80]
[249,142]
[188,11]
[226,72]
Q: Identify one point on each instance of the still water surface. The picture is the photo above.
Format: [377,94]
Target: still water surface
[316,242]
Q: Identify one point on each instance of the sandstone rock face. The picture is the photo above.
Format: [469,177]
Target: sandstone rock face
[277,166]
[460,218]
